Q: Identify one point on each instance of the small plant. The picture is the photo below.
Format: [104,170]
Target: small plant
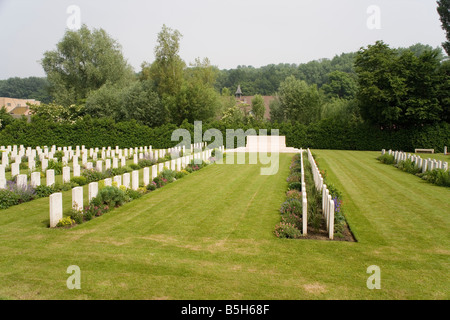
[8,198]
[294,194]
[65,222]
[134,166]
[151,186]
[285,230]
[295,186]
[291,206]
[76,216]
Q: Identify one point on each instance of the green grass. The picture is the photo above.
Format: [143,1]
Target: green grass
[209,236]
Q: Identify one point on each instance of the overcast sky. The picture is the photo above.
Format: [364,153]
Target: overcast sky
[229,33]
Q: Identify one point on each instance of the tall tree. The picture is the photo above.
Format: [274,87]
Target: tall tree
[258,107]
[167,69]
[299,101]
[398,89]
[444,12]
[83,61]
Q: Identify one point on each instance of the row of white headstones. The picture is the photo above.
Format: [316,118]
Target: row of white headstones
[304,197]
[327,201]
[108,157]
[422,164]
[127,180]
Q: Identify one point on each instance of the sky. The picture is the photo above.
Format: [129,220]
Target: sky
[229,33]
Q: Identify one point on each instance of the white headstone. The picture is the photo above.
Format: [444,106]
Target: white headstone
[35,179]
[118,180]
[56,209]
[126,180]
[146,177]
[135,180]
[15,169]
[22,181]
[76,171]
[50,177]
[66,174]
[93,190]
[77,198]
[108,182]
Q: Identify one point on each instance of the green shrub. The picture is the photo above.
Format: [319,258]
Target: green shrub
[292,219]
[133,194]
[168,174]
[181,174]
[44,191]
[294,194]
[110,196]
[291,206]
[76,216]
[134,166]
[91,175]
[8,198]
[386,159]
[146,163]
[408,166]
[151,186]
[439,177]
[295,186]
[56,166]
[81,181]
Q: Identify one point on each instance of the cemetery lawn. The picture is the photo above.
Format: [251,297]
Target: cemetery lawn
[210,236]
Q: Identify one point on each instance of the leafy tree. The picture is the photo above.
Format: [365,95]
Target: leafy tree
[444,13]
[398,89]
[233,115]
[258,107]
[276,111]
[299,101]
[5,118]
[168,68]
[136,101]
[83,61]
[340,85]
[25,88]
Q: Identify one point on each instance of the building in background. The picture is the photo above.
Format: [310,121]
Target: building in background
[18,107]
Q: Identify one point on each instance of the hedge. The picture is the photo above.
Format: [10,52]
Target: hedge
[326,134]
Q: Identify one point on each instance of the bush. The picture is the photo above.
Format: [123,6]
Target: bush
[81,181]
[160,181]
[287,231]
[439,177]
[146,163]
[181,174]
[65,222]
[110,196]
[291,206]
[169,175]
[76,216]
[92,175]
[386,159]
[151,186]
[292,219]
[134,166]
[133,194]
[295,186]
[8,198]
[294,194]
[57,166]
[44,191]
[408,166]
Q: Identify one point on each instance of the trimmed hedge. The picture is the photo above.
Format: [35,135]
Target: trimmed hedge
[326,134]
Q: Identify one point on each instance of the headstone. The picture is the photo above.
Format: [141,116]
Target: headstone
[99,166]
[66,174]
[35,179]
[135,180]
[56,209]
[50,177]
[76,171]
[154,171]
[15,169]
[93,190]
[126,180]
[77,198]
[118,180]
[22,181]
[107,164]
[108,182]
[146,177]
[115,164]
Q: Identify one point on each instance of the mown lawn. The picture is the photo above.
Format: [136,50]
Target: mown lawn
[209,236]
